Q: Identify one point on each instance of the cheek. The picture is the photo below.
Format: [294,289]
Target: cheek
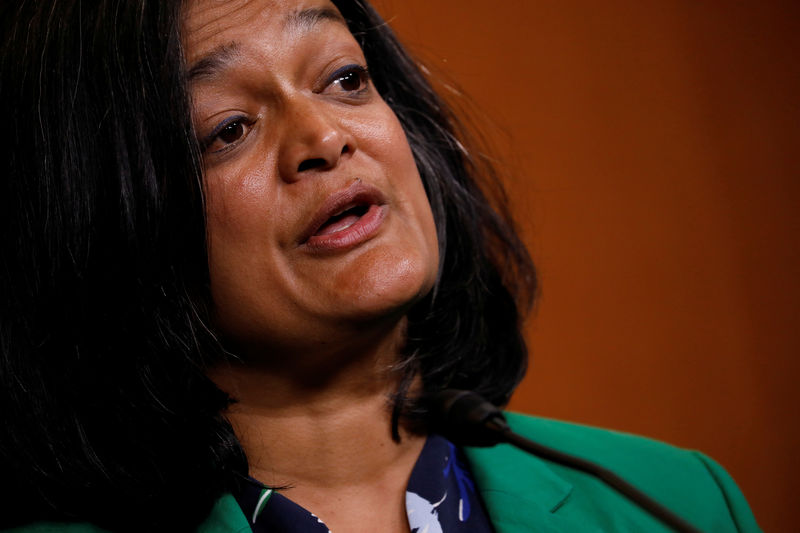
[411,189]
[414,193]
[385,139]
[423,262]
[237,195]
[243,207]
[241,210]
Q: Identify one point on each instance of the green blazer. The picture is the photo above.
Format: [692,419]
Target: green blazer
[523,493]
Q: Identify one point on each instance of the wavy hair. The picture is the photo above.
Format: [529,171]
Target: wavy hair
[104,301]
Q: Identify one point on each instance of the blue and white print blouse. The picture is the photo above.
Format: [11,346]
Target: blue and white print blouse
[440,498]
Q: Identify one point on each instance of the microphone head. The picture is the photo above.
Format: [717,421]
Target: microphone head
[465,418]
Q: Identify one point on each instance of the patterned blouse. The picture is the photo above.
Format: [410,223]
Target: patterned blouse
[440,498]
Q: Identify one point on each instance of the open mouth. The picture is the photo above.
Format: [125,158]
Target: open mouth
[342,220]
[346,218]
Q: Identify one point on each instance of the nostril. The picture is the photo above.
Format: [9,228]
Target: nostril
[345,149]
[310,164]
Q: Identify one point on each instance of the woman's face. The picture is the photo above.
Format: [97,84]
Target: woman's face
[319,227]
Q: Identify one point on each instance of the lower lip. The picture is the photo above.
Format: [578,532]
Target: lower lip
[362,230]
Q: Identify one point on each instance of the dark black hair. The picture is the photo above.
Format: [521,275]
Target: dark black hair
[106,410]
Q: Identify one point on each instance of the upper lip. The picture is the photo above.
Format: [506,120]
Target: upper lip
[358,193]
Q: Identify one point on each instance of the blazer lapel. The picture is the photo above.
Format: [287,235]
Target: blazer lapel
[520,491]
[225,517]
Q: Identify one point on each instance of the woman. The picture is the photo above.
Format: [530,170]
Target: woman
[244,249]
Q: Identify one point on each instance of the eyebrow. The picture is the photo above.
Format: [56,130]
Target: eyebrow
[213,62]
[308,18]
[221,56]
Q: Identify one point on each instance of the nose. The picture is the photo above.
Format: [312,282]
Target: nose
[315,139]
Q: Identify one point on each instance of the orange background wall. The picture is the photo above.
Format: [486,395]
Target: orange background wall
[654,149]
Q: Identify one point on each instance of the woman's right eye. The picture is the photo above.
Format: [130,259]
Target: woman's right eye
[226,135]
[231,133]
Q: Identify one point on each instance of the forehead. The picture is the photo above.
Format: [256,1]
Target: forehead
[209,24]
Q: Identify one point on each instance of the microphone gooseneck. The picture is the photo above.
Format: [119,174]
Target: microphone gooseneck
[467,419]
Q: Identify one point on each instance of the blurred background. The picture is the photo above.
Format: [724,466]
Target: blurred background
[653,152]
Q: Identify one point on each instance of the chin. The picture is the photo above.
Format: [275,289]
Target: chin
[386,282]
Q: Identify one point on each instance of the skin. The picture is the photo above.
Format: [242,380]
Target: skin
[317,331]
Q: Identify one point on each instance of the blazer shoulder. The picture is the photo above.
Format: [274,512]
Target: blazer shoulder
[686,481]
[614,449]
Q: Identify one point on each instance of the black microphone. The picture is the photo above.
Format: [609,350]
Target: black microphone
[467,419]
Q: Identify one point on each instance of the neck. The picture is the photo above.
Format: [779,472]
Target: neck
[325,437]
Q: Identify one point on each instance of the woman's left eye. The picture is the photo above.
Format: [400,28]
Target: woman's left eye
[350,79]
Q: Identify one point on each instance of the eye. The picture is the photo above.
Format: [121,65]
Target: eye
[231,133]
[349,79]
[227,134]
